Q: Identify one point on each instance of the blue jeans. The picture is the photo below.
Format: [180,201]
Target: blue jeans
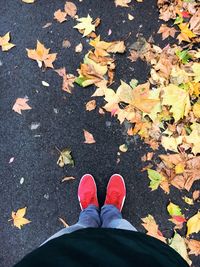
[109,217]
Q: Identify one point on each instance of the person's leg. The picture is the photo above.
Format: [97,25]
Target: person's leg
[111,216]
[89,216]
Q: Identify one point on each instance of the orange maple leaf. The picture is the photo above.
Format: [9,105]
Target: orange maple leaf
[68,80]
[60,16]
[166,31]
[89,139]
[41,54]
[18,218]
[21,104]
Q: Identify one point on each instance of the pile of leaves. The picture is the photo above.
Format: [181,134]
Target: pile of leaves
[164,111]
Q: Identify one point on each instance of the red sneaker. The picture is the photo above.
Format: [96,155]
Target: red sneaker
[87,192]
[116,191]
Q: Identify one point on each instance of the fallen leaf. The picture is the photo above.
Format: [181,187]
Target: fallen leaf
[60,16]
[65,158]
[177,217]
[89,139]
[155,179]
[130,17]
[188,200]
[28,1]
[68,178]
[66,44]
[123,3]
[21,104]
[18,218]
[70,9]
[178,244]
[193,246]
[68,80]
[166,31]
[193,224]
[48,24]
[123,148]
[79,48]
[196,194]
[4,42]
[45,84]
[41,54]
[91,105]
[150,225]
[86,25]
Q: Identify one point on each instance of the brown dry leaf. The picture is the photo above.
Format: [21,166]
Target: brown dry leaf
[166,31]
[70,9]
[116,47]
[4,42]
[66,44]
[133,55]
[68,178]
[194,246]
[196,194]
[18,218]
[60,16]
[89,139]
[150,225]
[21,104]
[91,105]
[195,23]
[68,80]
[123,3]
[41,54]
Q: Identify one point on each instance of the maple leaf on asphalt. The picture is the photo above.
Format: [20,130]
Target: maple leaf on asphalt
[86,25]
[178,244]
[193,224]
[65,158]
[166,31]
[123,3]
[4,42]
[70,9]
[91,105]
[60,16]
[150,225]
[177,217]
[68,80]
[21,104]
[18,218]
[89,139]
[41,54]
[194,246]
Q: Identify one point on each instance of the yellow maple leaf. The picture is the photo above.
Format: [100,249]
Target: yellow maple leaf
[194,138]
[41,54]
[18,218]
[4,42]
[193,224]
[196,70]
[86,25]
[178,99]
[186,34]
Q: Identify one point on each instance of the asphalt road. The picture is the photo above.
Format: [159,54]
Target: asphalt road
[62,118]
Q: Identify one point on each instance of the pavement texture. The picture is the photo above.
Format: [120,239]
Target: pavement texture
[62,118]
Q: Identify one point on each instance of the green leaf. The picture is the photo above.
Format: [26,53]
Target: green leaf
[183,55]
[178,20]
[174,210]
[133,83]
[79,80]
[155,178]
